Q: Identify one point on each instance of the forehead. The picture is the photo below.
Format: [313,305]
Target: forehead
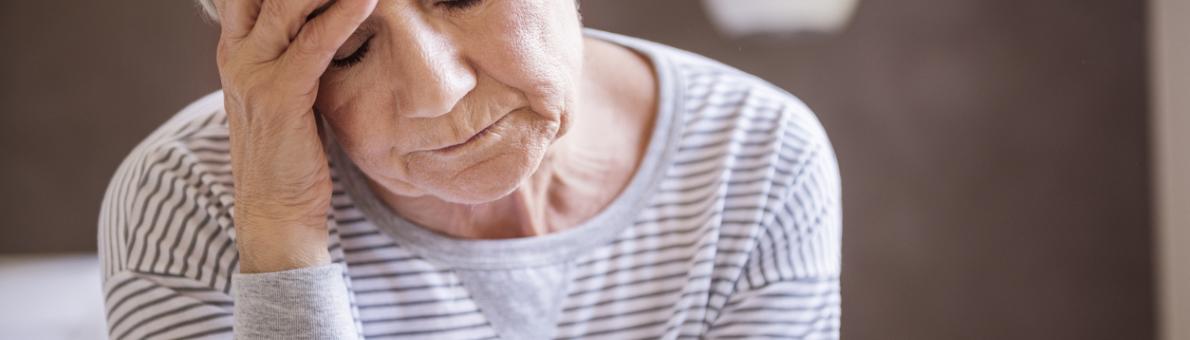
[488,16]
[403,12]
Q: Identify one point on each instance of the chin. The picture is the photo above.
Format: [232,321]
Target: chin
[482,183]
[482,179]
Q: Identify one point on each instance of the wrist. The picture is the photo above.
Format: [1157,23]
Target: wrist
[268,248]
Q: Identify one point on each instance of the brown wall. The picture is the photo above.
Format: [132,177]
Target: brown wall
[993,155]
[84,82]
[993,152]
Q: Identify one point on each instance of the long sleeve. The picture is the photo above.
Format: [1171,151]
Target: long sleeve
[169,261]
[307,303]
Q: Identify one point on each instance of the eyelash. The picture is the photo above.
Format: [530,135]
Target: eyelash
[355,58]
[455,5]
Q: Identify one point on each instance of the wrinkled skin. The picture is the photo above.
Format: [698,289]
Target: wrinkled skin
[506,79]
[434,78]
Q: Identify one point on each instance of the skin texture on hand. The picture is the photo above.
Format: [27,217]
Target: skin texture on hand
[270,61]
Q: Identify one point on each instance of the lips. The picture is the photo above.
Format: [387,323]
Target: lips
[453,146]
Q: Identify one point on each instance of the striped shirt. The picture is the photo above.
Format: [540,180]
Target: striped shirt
[730,228]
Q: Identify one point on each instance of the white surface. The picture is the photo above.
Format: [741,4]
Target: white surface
[1171,137]
[746,17]
[51,297]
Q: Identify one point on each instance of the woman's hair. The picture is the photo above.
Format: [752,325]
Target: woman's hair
[209,7]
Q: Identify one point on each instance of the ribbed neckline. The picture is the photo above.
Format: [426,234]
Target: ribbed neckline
[550,248]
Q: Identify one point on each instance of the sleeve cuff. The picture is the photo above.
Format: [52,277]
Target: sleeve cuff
[304,303]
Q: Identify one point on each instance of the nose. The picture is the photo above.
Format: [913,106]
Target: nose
[430,75]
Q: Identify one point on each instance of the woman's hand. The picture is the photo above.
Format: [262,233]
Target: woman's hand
[270,60]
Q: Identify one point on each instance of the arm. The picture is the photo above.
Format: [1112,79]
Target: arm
[171,266]
[271,56]
[275,262]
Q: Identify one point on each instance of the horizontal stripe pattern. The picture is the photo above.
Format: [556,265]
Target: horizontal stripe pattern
[740,239]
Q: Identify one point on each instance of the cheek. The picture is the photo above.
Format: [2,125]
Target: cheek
[355,114]
[360,132]
[364,129]
[535,47]
[345,117]
[364,141]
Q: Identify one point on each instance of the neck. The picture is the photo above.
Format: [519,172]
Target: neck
[582,172]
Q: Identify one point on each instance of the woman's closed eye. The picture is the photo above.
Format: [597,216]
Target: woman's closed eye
[354,58]
[455,5]
[362,50]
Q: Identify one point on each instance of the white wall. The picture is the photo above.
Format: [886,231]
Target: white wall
[53,297]
[1171,126]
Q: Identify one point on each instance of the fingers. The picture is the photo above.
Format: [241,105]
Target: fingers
[280,20]
[237,17]
[317,41]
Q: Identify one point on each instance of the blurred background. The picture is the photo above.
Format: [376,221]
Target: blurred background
[1011,169]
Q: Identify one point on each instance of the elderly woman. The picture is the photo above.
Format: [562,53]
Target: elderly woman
[471,169]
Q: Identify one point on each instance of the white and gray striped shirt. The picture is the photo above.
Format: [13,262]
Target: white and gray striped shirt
[730,229]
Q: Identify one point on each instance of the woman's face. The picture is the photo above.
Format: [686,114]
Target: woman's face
[455,99]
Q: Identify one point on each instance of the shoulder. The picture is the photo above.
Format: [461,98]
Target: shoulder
[720,96]
[727,116]
[167,207]
[770,158]
[717,104]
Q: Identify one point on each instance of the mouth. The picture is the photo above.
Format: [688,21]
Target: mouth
[477,136]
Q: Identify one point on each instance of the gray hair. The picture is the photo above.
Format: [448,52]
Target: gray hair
[208,6]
